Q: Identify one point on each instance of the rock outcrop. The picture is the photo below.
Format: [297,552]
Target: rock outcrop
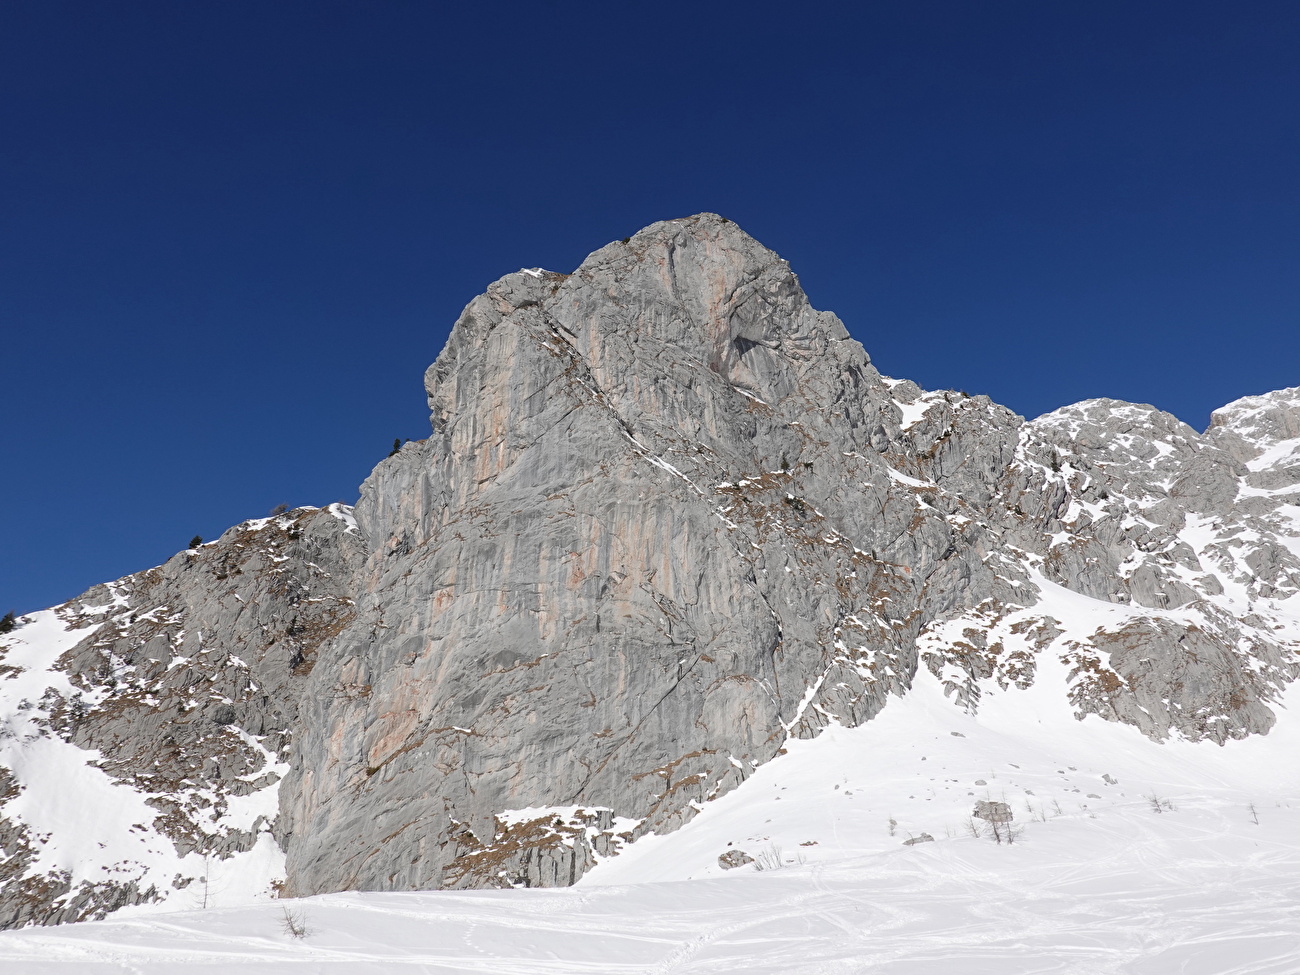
[145,726]
[668,517]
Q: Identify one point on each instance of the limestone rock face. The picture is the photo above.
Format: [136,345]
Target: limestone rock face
[1130,507]
[650,519]
[669,516]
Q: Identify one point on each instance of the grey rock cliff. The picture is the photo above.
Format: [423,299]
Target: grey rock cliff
[669,516]
[641,531]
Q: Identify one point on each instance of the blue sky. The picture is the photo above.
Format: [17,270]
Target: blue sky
[233,235]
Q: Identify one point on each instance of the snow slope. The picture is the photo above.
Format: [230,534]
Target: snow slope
[1135,857]
[92,827]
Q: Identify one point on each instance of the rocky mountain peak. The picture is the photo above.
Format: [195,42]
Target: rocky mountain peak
[695,297]
[669,517]
[1256,425]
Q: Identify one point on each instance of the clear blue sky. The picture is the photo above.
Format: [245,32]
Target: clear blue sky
[232,235]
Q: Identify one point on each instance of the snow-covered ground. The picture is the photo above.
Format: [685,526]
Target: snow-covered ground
[1134,857]
[83,823]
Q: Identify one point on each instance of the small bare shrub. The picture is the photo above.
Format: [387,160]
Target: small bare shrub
[1158,803]
[769,859]
[294,924]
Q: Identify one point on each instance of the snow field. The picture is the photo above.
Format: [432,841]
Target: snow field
[1098,882]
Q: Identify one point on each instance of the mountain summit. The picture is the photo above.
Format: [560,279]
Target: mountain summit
[669,517]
